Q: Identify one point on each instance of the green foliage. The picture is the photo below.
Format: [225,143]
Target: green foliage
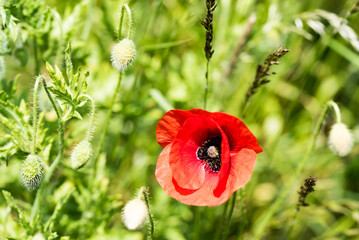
[16,121]
[169,72]
[23,220]
[69,92]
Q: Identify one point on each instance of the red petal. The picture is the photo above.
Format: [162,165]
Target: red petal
[168,126]
[242,165]
[170,123]
[239,136]
[187,169]
[202,197]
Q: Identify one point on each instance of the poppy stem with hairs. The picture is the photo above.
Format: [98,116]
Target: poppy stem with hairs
[50,171]
[144,192]
[119,33]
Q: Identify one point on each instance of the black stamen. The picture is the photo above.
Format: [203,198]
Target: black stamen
[210,152]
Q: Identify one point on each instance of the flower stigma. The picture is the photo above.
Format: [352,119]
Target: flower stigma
[210,153]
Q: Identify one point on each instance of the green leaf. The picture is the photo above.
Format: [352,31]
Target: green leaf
[68,93]
[22,218]
[50,223]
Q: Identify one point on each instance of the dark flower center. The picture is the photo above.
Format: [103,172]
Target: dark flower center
[210,152]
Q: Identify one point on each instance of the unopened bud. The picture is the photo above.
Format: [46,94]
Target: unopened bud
[340,139]
[81,154]
[123,54]
[134,213]
[32,172]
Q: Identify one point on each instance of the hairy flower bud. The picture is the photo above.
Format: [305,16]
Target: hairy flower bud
[123,54]
[134,213]
[32,172]
[340,139]
[81,154]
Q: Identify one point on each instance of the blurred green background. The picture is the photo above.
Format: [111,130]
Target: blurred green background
[169,72]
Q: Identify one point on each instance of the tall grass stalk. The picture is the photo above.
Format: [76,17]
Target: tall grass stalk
[263,223]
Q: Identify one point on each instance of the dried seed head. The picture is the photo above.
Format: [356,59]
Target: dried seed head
[305,189]
[81,154]
[134,213]
[340,139]
[123,54]
[32,172]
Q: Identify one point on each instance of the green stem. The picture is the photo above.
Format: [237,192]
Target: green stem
[104,133]
[129,20]
[292,224]
[243,222]
[92,118]
[334,105]
[220,231]
[34,113]
[50,171]
[227,223]
[259,231]
[197,223]
[120,25]
[206,87]
[143,191]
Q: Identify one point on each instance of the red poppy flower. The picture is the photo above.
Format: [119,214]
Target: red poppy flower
[206,156]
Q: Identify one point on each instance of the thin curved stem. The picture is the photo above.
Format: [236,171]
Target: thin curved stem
[129,20]
[34,113]
[143,191]
[227,223]
[334,105]
[120,24]
[50,171]
[259,231]
[109,114]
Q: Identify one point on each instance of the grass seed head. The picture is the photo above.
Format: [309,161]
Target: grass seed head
[81,154]
[134,213]
[32,172]
[123,54]
[340,139]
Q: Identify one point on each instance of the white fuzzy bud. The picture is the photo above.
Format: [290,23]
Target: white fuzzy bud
[81,154]
[134,214]
[39,236]
[340,139]
[123,53]
[32,172]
